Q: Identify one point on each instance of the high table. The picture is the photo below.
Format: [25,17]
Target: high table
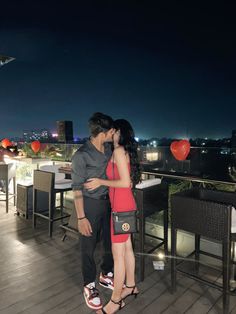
[24,179]
[185,177]
[25,167]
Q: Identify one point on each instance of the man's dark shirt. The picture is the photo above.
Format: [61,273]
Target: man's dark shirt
[88,163]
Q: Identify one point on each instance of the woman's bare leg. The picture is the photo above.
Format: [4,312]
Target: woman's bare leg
[118,251]
[129,268]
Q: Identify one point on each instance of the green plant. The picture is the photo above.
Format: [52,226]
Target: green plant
[26,148]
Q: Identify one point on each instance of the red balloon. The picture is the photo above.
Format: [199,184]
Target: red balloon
[180,149]
[35,145]
[6,143]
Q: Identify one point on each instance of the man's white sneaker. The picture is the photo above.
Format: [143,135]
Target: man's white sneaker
[91,296]
[107,281]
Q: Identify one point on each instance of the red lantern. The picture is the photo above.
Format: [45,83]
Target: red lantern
[6,143]
[180,149]
[35,145]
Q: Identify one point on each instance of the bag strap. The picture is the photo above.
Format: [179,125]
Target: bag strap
[113,177]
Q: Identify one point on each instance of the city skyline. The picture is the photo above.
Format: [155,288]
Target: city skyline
[53,131]
[169,69]
[47,133]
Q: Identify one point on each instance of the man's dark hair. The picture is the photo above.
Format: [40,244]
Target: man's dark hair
[100,122]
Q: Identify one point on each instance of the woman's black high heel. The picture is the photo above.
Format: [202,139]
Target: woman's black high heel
[132,292]
[120,303]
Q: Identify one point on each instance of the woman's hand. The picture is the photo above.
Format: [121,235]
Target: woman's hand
[92,184]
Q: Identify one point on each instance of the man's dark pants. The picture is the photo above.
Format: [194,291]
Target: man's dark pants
[98,213]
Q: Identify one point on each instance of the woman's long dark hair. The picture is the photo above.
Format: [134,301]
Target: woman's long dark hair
[130,145]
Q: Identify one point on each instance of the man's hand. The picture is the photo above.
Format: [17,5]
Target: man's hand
[92,184]
[84,227]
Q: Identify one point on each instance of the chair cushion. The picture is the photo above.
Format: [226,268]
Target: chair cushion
[63,184]
[147,183]
[50,168]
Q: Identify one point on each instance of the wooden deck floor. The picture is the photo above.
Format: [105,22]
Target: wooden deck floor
[42,275]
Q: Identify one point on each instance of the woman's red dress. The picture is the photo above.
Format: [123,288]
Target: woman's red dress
[122,199]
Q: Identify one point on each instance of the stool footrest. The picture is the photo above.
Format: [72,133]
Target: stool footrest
[48,218]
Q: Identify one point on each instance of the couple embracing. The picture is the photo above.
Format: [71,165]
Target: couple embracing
[103,176]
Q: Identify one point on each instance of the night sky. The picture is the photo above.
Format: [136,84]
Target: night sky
[168,68]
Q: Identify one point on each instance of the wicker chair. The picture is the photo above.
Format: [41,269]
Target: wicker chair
[205,213]
[44,181]
[150,200]
[8,173]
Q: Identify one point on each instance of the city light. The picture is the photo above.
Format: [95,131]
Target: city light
[32,135]
[152,156]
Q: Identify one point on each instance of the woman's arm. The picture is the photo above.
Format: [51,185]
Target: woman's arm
[122,165]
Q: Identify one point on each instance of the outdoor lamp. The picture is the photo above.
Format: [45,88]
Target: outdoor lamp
[5,59]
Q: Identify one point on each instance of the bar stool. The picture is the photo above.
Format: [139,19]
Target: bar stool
[70,229]
[44,182]
[8,173]
[205,213]
[61,183]
[149,200]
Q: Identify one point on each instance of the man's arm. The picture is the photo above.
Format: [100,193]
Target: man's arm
[79,204]
[78,178]
[84,225]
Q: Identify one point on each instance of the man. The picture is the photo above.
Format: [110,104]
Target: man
[93,207]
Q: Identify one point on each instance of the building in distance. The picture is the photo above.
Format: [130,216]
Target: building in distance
[65,131]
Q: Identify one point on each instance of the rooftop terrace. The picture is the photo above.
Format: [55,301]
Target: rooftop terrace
[42,275]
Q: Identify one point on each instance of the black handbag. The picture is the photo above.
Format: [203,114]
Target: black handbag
[124,222]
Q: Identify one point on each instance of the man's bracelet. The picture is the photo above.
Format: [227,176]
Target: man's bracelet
[81,218]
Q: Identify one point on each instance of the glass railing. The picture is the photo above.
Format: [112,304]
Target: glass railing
[53,151]
[206,162]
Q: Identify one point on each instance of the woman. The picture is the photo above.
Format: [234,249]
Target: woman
[123,172]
